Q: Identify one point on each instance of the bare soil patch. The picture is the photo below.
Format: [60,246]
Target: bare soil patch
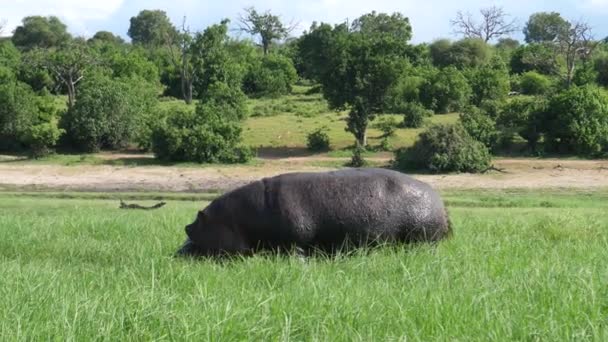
[517,173]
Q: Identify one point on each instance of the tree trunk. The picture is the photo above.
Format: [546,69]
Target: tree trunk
[71,93]
[266,46]
[186,81]
[186,88]
[189,92]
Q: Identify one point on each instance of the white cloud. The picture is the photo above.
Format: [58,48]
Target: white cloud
[430,18]
[596,5]
[75,13]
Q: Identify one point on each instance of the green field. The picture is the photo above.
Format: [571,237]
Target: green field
[521,266]
[286,121]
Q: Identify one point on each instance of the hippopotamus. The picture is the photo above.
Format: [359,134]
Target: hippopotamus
[319,211]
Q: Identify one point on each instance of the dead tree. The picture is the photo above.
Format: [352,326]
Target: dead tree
[181,57]
[268,26]
[574,45]
[494,24]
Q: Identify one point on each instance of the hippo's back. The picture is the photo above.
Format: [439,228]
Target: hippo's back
[361,204]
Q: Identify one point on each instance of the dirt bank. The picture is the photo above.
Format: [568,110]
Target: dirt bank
[517,173]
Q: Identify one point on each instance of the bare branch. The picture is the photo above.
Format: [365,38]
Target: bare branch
[2,25]
[494,24]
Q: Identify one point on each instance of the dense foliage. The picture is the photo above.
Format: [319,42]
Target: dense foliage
[544,95]
[445,148]
[108,112]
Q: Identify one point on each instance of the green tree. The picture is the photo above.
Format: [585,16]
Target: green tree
[465,53]
[533,83]
[182,59]
[445,148]
[539,57]
[480,126]
[106,37]
[213,61]
[27,121]
[314,48]
[272,75]
[447,91]
[577,120]
[133,63]
[109,112]
[363,66]
[68,65]
[489,82]
[266,25]
[152,28]
[10,57]
[42,32]
[545,27]
[601,67]
[211,134]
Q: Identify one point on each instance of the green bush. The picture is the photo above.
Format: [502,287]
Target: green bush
[445,148]
[415,115]
[576,120]
[479,125]
[357,159]
[270,76]
[585,74]
[211,134]
[517,118]
[404,91]
[489,82]
[533,83]
[601,67]
[387,125]
[318,140]
[42,137]
[108,112]
[447,92]
[27,122]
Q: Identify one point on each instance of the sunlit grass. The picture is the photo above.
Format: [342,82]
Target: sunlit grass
[521,266]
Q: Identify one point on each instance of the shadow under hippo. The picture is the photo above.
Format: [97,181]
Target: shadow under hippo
[319,211]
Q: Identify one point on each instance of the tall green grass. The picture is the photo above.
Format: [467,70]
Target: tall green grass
[521,266]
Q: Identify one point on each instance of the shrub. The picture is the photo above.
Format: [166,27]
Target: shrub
[577,120]
[27,122]
[601,67]
[533,83]
[415,115]
[42,137]
[479,125]
[445,148]
[585,74]
[318,140]
[447,92]
[387,125]
[357,159]
[404,91]
[272,75]
[108,112]
[516,118]
[489,82]
[211,134]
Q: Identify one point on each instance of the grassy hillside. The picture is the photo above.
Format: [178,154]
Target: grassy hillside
[286,121]
[521,266]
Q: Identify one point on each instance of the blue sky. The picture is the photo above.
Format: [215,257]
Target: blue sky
[430,18]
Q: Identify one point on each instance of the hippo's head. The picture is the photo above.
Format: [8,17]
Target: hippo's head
[212,234]
[196,229]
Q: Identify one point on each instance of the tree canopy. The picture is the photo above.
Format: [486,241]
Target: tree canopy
[41,32]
